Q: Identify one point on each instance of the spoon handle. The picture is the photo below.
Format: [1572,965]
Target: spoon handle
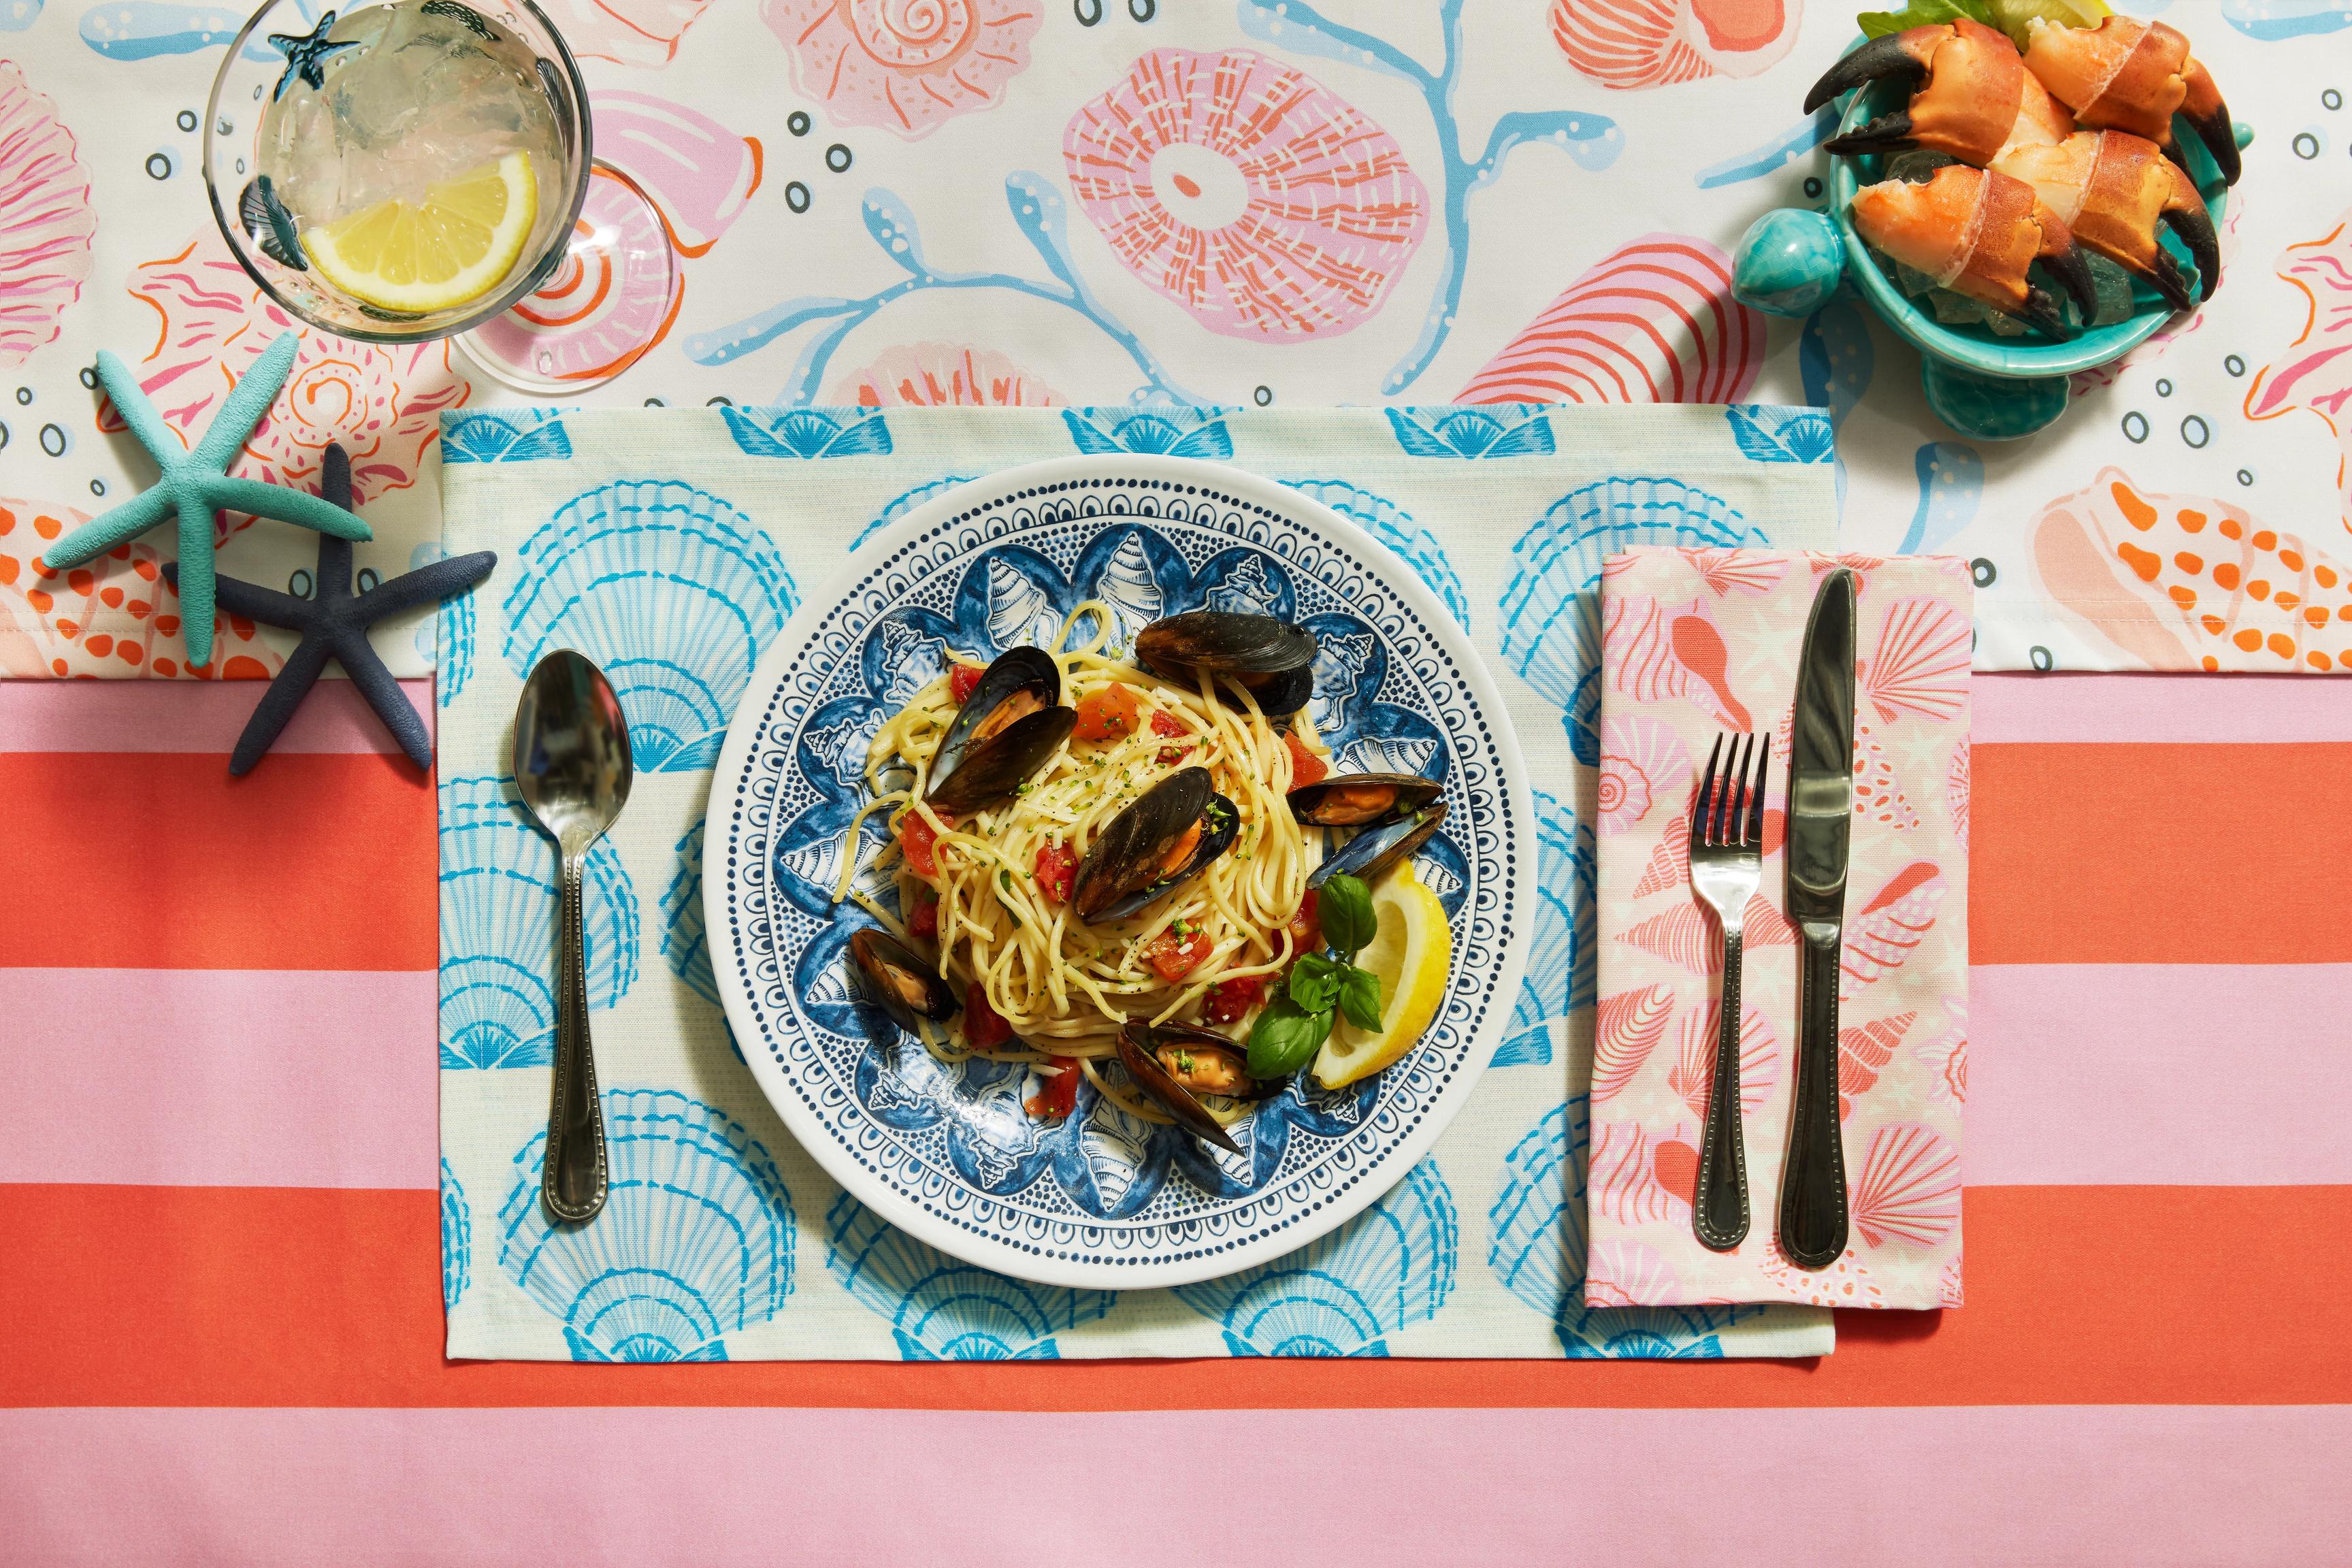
[572,1186]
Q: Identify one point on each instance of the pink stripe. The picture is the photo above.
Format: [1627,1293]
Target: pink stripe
[2180,708]
[187,716]
[2212,1485]
[2159,1074]
[219,1077]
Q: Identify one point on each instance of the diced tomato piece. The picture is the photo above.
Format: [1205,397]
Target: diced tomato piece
[925,920]
[1165,723]
[1056,865]
[917,838]
[1174,955]
[1230,1000]
[1306,926]
[984,1028]
[1107,714]
[1060,1095]
[1306,767]
[961,679]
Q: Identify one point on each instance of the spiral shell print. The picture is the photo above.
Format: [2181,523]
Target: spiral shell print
[1633,44]
[46,221]
[941,1309]
[908,66]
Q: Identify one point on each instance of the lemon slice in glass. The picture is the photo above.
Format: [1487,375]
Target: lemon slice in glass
[456,245]
[1411,949]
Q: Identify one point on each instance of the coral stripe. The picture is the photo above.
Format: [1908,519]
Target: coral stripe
[163,861]
[2145,709]
[222,1296]
[187,716]
[219,1077]
[2075,1484]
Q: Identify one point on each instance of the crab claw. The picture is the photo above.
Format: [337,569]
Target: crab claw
[1975,233]
[2112,188]
[1977,99]
[2129,75]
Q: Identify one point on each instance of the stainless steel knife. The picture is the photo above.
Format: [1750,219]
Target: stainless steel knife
[1821,818]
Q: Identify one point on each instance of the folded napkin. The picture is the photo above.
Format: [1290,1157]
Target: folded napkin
[1903,1018]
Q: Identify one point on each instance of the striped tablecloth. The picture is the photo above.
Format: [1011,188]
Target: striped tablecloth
[220,1284]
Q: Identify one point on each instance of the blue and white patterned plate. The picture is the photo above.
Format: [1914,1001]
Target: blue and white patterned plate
[1100,1200]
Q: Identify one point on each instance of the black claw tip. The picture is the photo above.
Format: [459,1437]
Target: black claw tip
[1884,57]
[1890,132]
[2195,228]
[2041,311]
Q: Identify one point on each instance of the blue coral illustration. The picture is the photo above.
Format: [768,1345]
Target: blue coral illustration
[1391,1267]
[1837,360]
[1394,527]
[1504,430]
[940,1310]
[1560,976]
[694,1243]
[1774,155]
[2277,21]
[497,929]
[671,589]
[1551,608]
[457,1239]
[510,435]
[1166,432]
[1951,486]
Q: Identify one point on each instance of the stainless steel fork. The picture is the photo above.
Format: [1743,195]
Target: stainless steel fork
[1727,859]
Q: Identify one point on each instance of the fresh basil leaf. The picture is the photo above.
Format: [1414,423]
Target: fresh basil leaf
[1315,982]
[1344,910]
[1286,1039]
[1360,999]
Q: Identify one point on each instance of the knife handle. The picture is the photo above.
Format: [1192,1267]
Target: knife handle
[1813,1183]
[1719,1202]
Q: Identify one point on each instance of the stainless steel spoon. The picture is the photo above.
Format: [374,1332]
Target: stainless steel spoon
[572,766]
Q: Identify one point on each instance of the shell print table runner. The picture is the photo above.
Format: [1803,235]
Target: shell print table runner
[672,546]
[1902,991]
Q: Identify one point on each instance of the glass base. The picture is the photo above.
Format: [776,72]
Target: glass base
[611,296]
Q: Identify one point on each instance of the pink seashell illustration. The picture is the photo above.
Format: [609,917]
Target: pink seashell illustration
[628,32]
[1956,792]
[1656,652]
[1626,1027]
[936,376]
[1686,934]
[594,317]
[1642,760]
[382,402]
[1622,1273]
[1742,571]
[1248,192]
[1654,322]
[1885,931]
[1948,1053]
[1876,794]
[1633,44]
[908,66]
[1921,663]
[1693,1074]
[696,170]
[1909,1189]
[1624,1184]
[1669,863]
[2192,582]
[2314,371]
[1948,1285]
[1846,1283]
[1863,1051]
[46,218]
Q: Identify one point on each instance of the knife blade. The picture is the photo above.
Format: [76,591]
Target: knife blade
[1819,826]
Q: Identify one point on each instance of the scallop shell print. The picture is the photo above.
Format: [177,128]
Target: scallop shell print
[1909,1189]
[1551,609]
[46,218]
[1343,1295]
[684,942]
[1642,765]
[628,32]
[1626,1273]
[941,1309]
[457,1239]
[1921,663]
[1627,1028]
[1692,1076]
[497,929]
[672,591]
[695,1240]
[1633,44]
[1394,527]
[1559,974]
[1956,793]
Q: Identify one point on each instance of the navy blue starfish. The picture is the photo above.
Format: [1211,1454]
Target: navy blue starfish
[334,623]
[306,55]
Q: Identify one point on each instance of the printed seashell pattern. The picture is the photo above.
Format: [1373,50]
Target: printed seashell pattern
[1629,45]
[942,1309]
[46,221]
[1559,956]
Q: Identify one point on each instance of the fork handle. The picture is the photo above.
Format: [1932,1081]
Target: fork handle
[1719,1202]
[1812,1185]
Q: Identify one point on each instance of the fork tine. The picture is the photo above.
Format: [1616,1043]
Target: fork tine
[1705,790]
[1754,837]
[1728,805]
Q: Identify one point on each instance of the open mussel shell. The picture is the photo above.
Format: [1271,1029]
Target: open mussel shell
[1153,846]
[906,987]
[1361,800]
[1272,659]
[1375,849]
[1171,1063]
[1006,729]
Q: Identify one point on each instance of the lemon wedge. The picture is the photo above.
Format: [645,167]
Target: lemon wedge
[455,245]
[1411,949]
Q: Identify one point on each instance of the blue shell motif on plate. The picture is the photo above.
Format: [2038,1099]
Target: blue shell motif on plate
[513,436]
[1559,977]
[806,432]
[497,929]
[900,505]
[1394,527]
[1343,1294]
[1768,433]
[1538,1252]
[668,587]
[457,1239]
[1174,432]
[1504,430]
[683,941]
[941,1309]
[1551,609]
[695,1240]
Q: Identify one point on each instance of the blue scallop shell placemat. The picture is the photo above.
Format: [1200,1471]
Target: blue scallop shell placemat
[672,546]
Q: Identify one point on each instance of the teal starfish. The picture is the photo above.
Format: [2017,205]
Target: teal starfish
[306,55]
[195,484]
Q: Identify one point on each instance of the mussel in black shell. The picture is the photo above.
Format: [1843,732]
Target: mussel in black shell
[1006,729]
[906,987]
[1375,849]
[1272,659]
[1172,1063]
[1175,829]
[1361,800]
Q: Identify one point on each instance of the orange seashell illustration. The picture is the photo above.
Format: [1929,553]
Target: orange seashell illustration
[1628,1274]
[1624,1185]
[117,616]
[1626,1026]
[1909,1189]
[1864,1052]
[1675,1165]
[1693,1074]
[1875,793]
[1686,935]
[1669,863]
[1743,570]
[1846,1283]
[1885,931]
[1633,44]
[1656,652]
[1956,793]
[1921,663]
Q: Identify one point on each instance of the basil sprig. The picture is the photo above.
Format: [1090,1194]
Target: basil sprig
[1322,986]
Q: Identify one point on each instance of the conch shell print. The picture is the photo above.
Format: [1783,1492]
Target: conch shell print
[45,221]
[908,66]
[1630,44]
[2316,370]
[2191,583]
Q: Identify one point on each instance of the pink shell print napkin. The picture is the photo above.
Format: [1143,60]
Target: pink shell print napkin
[1700,642]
